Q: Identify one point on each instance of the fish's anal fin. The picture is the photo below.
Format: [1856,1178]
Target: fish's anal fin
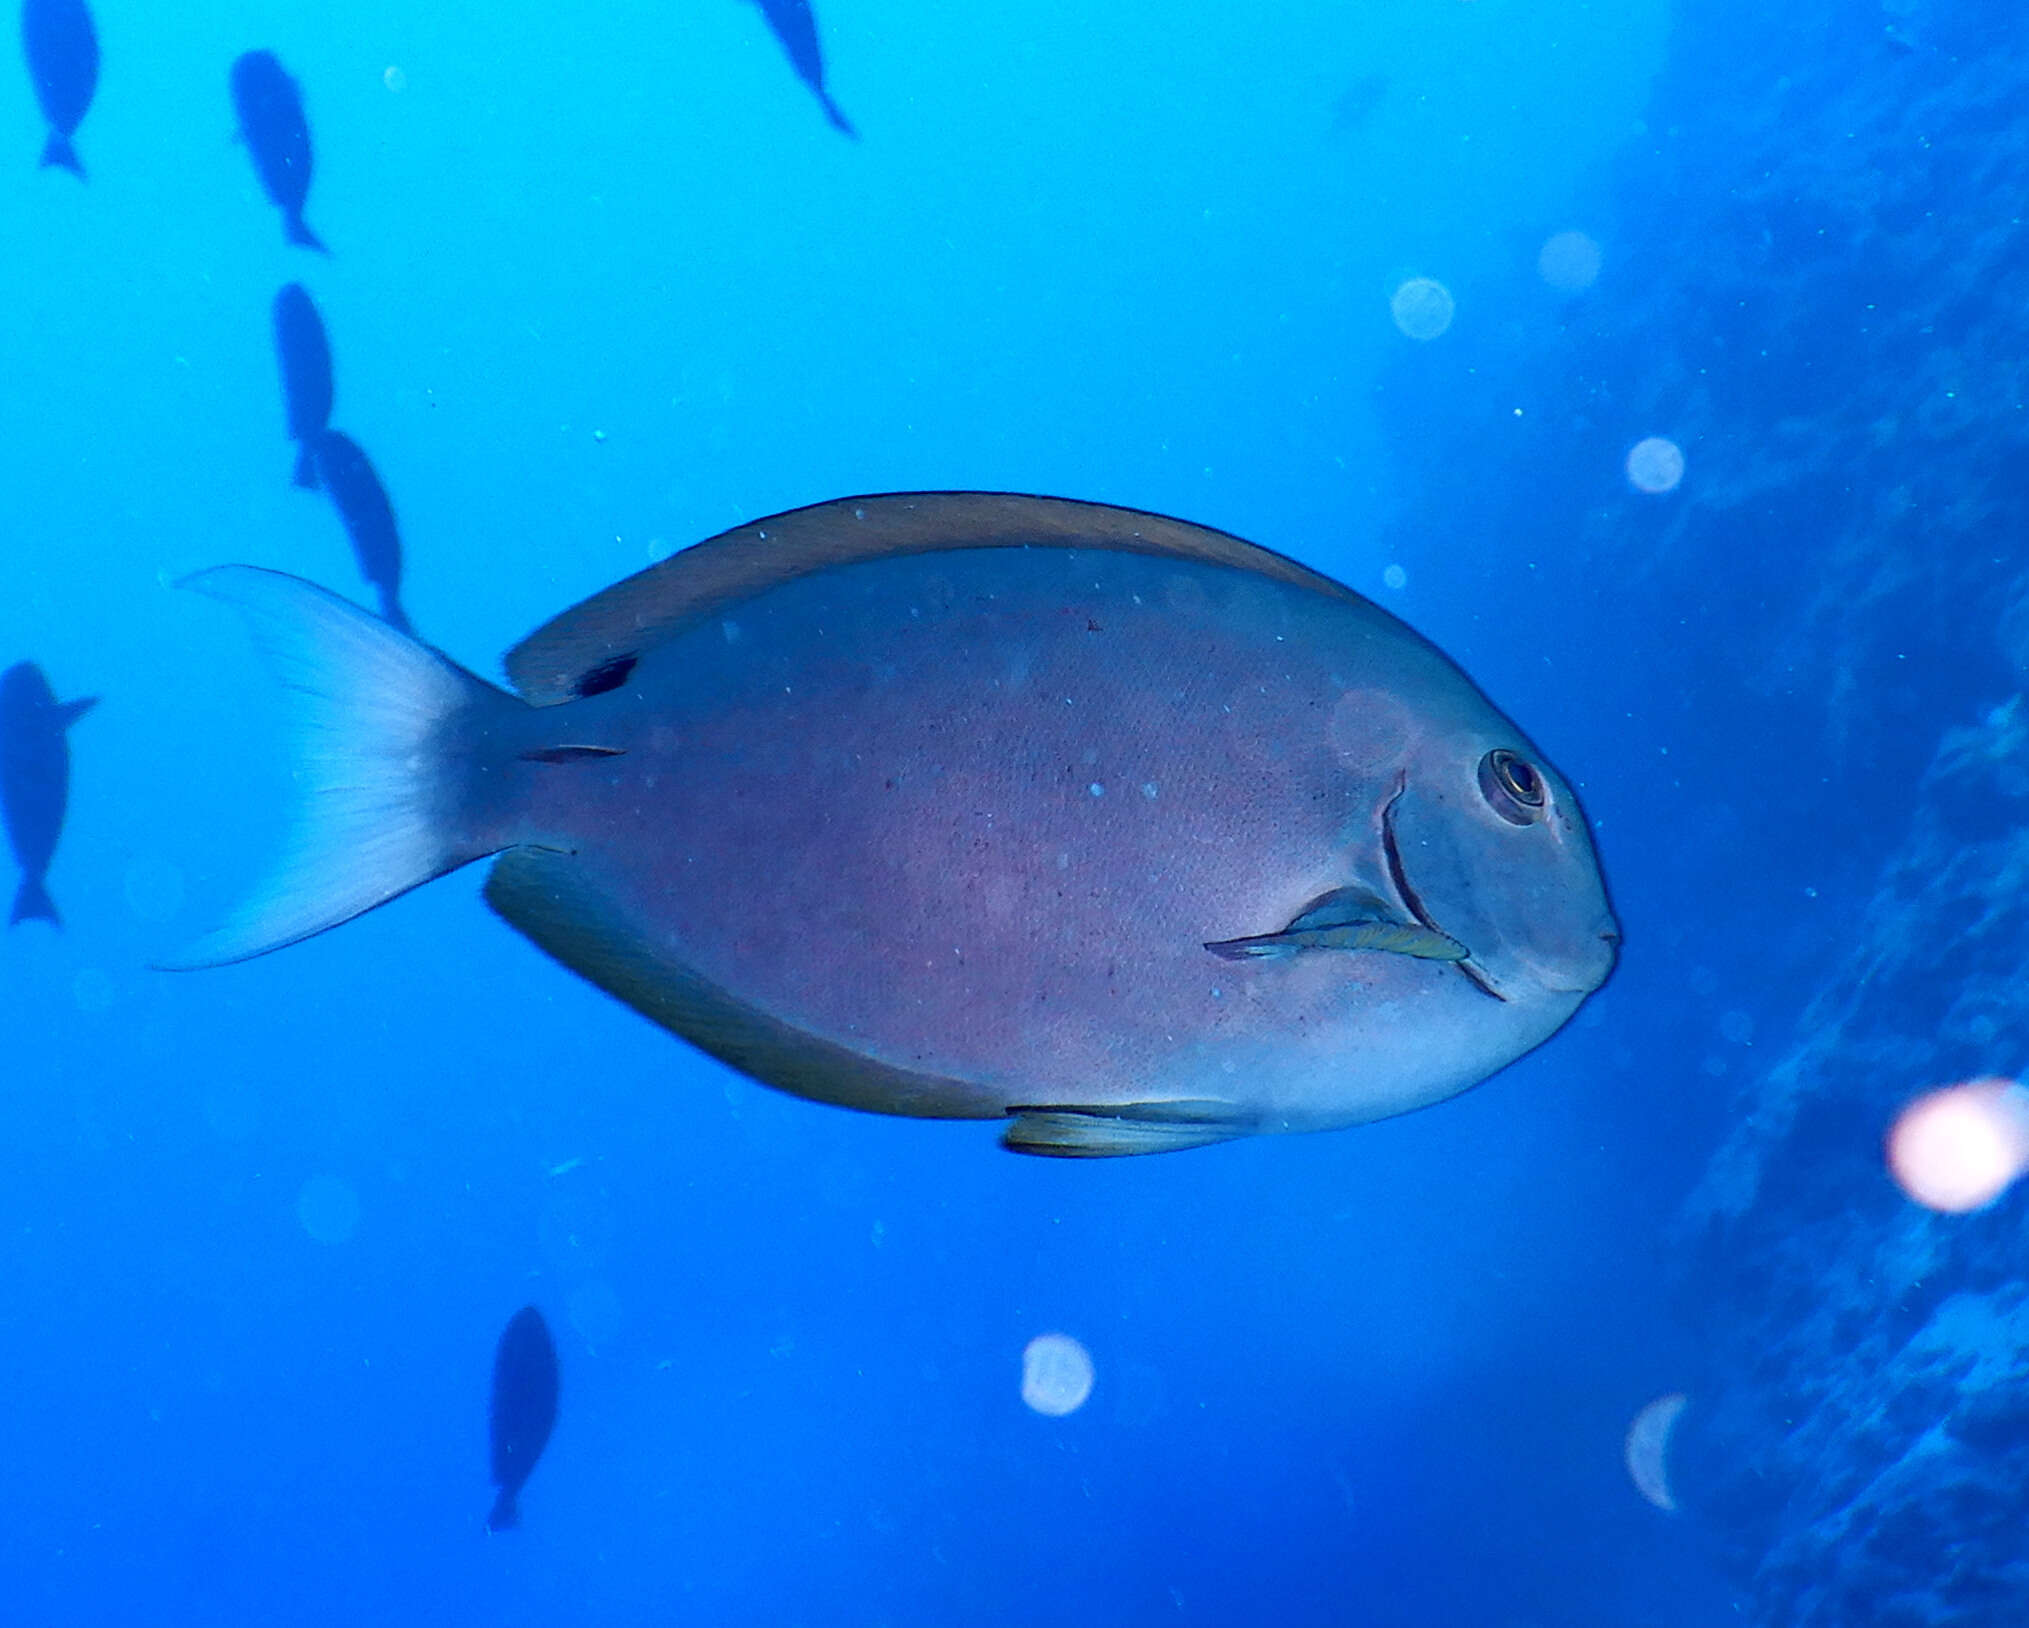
[1116,1130]
[68,712]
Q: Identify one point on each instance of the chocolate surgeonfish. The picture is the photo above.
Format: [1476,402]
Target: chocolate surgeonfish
[1115,828]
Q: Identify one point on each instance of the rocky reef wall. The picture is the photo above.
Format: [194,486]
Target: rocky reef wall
[1813,763]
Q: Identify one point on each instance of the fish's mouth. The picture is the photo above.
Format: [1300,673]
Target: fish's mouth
[1412,901]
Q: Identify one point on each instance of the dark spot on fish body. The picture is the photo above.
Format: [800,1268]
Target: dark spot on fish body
[608,675]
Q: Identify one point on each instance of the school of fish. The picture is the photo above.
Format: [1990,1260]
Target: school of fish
[1123,832]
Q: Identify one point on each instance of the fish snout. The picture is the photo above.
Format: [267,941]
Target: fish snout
[1599,955]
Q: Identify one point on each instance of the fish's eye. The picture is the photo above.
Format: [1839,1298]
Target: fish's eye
[1512,786]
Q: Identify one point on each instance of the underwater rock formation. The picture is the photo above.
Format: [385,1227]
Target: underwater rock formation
[1816,274]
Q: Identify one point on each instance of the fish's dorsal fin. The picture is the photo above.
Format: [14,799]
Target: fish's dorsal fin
[1117,1130]
[701,581]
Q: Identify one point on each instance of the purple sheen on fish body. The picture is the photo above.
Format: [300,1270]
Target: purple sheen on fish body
[945,805]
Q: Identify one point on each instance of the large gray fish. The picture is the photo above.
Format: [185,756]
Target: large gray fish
[967,805]
[35,781]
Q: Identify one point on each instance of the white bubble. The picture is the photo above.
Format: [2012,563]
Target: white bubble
[1655,465]
[92,991]
[1056,1375]
[1648,1448]
[1422,308]
[328,1209]
[154,889]
[1568,261]
[1395,577]
[395,79]
[1960,1148]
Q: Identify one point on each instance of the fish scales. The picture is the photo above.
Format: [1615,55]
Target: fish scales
[984,835]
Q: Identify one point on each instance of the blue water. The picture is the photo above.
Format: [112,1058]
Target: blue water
[605,282]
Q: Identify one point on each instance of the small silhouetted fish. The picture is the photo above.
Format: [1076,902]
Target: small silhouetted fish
[63,60]
[973,805]
[35,780]
[305,356]
[270,109]
[797,30]
[524,1409]
[362,503]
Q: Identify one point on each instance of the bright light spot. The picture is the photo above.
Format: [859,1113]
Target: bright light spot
[1655,465]
[1056,1375]
[1958,1149]
[92,990]
[1568,262]
[328,1209]
[1422,308]
[1648,1448]
[1395,577]
[395,79]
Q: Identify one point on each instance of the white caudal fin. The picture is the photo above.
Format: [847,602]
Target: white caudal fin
[371,706]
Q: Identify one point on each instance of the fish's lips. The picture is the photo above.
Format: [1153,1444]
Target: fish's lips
[1592,967]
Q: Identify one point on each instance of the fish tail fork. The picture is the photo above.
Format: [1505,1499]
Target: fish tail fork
[376,715]
[33,903]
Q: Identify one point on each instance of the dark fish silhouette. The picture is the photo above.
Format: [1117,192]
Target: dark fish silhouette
[305,356]
[34,780]
[63,60]
[362,503]
[971,805]
[797,30]
[270,109]
[524,1409]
